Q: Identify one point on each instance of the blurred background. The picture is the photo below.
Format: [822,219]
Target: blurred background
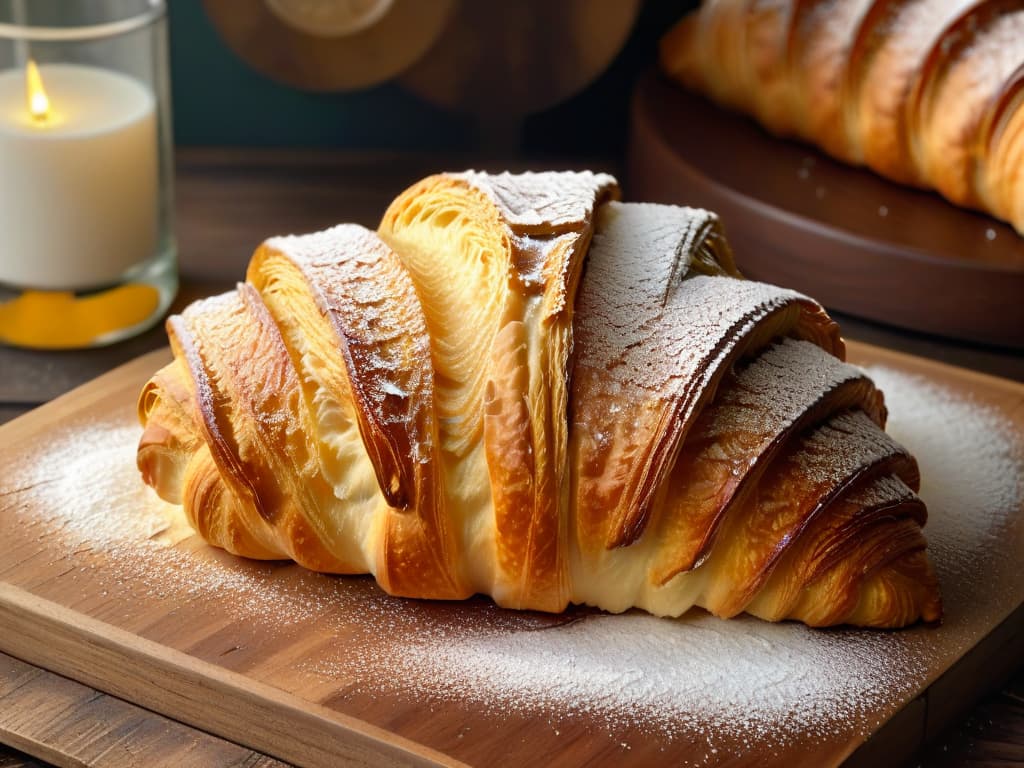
[290,116]
[404,88]
[220,99]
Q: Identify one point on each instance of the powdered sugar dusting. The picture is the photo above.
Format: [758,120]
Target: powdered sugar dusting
[639,321]
[732,684]
[650,340]
[94,464]
[741,405]
[972,476]
[838,449]
[89,464]
[695,674]
[148,545]
[746,680]
[549,199]
[362,285]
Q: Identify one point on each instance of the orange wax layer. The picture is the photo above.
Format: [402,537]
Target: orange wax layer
[61,320]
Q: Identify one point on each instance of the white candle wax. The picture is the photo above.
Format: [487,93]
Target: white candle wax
[78,191]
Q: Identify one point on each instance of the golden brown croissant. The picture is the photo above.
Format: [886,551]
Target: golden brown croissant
[521,387]
[925,92]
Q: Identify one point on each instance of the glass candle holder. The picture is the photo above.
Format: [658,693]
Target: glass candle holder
[87,253]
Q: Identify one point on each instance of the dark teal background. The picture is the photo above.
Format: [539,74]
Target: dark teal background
[219,100]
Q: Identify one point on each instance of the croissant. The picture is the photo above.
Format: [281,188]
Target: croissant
[521,387]
[925,92]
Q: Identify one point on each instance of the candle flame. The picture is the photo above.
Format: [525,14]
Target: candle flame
[38,101]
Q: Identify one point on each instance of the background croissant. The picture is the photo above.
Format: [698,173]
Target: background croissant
[925,92]
[521,387]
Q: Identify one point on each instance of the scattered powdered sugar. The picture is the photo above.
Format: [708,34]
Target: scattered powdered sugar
[94,464]
[750,679]
[728,683]
[955,440]
[696,674]
[972,477]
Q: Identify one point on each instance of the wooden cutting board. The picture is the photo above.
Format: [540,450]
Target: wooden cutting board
[103,583]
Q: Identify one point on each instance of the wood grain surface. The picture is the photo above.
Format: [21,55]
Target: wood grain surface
[256,652]
[851,239]
[160,678]
[69,724]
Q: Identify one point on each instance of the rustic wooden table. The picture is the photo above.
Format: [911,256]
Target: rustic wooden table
[227,201]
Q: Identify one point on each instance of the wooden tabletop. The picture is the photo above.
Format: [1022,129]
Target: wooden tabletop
[227,202]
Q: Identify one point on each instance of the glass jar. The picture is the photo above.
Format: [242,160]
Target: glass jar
[87,253]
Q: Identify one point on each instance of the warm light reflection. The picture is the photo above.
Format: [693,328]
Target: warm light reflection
[38,102]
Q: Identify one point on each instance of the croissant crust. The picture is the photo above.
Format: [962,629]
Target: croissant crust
[925,92]
[521,387]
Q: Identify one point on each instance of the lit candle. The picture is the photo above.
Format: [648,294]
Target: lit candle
[78,176]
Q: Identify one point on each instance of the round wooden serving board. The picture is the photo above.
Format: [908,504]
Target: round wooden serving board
[853,240]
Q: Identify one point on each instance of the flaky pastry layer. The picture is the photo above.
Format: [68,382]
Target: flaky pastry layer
[523,388]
